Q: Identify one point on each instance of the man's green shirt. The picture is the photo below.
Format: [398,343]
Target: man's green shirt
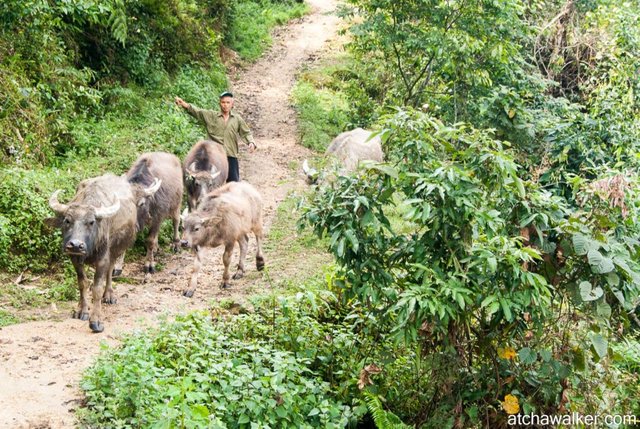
[226,134]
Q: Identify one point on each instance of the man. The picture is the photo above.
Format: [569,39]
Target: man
[224,127]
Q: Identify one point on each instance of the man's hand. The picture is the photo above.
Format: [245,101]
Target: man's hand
[180,102]
[252,147]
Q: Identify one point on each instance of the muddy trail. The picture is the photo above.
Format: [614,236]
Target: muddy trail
[42,362]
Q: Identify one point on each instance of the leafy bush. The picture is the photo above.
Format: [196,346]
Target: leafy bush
[25,241]
[492,268]
[200,86]
[322,115]
[192,373]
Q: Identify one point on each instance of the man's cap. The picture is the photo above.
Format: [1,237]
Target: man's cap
[226,94]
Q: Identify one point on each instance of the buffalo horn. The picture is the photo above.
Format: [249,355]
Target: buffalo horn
[108,211]
[55,205]
[153,188]
[191,169]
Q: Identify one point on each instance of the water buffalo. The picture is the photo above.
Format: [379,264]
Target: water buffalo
[348,149]
[205,168]
[98,225]
[163,204]
[225,216]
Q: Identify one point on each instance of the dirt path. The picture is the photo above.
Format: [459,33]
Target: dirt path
[41,362]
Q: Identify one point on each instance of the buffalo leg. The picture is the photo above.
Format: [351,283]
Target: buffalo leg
[226,260]
[175,219]
[109,296]
[95,318]
[244,247]
[259,255]
[117,269]
[83,285]
[197,263]
[152,246]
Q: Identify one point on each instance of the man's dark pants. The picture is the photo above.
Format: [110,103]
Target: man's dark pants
[234,170]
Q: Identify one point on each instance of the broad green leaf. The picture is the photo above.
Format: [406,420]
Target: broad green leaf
[603,309]
[493,308]
[579,360]
[599,264]
[493,264]
[488,300]
[243,419]
[583,244]
[612,279]
[580,244]
[382,168]
[599,344]
[588,293]
[506,310]
[353,239]
[200,411]
[618,294]
[527,356]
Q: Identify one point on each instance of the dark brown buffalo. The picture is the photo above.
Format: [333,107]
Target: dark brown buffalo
[205,168]
[98,225]
[349,149]
[225,216]
[164,204]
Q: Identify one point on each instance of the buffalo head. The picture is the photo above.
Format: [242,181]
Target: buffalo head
[80,224]
[199,183]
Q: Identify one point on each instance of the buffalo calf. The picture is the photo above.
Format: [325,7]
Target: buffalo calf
[225,216]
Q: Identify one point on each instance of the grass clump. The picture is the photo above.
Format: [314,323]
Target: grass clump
[322,114]
[253,20]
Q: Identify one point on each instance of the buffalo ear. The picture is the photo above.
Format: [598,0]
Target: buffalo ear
[53,222]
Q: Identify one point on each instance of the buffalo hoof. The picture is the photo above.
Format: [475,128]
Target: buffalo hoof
[81,315]
[238,275]
[116,273]
[260,263]
[188,293]
[225,285]
[110,300]
[96,327]
[149,269]
[175,247]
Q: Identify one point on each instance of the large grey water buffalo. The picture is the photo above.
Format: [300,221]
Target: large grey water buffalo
[349,149]
[225,216]
[205,168]
[98,225]
[163,204]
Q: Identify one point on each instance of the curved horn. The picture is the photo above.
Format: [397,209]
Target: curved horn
[191,169]
[153,188]
[55,205]
[214,175]
[311,173]
[108,211]
[184,214]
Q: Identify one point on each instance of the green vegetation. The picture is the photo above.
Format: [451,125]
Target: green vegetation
[321,115]
[253,20]
[295,255]
[506,249]
[195,373]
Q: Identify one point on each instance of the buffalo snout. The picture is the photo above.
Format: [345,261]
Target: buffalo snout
[185,243]
[75,246]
